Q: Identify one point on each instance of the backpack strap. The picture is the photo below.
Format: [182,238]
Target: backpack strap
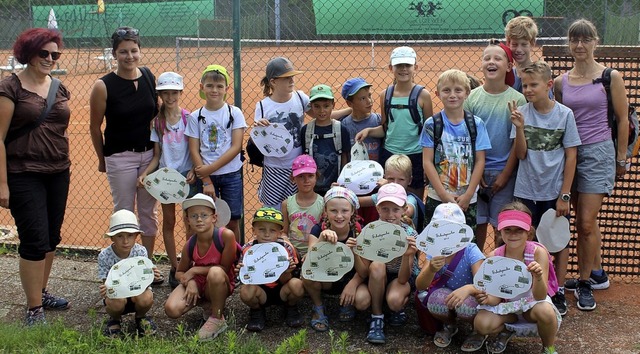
[50,100]
[299,98]
[470,122]
[336,129]
[440,281]
[412,105]
[148,77]
[388,94]
[605,80]
[309,137]
[230,123]
[499,251]
[217,241]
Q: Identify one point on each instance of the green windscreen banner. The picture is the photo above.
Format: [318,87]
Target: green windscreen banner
[453,17]
[176,18]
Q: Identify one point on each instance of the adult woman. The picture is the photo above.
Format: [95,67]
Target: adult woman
[126,97]
[34,162]
[599,161]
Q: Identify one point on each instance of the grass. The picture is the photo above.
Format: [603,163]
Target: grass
[56,337]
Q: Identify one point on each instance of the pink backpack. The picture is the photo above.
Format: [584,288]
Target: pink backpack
[529,253]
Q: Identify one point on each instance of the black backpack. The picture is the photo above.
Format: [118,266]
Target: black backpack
[412,106]
[438,128]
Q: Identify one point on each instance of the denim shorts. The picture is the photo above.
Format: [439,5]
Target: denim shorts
[596,168]
[489,205]
[228,186]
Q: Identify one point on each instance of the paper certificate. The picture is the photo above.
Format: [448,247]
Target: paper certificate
[264,263]
[381,241]
[327,262]
[444,238]
[272,140]
[167,185]
[129,277]
[503,277]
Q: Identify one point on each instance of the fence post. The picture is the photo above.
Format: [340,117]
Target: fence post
[237,85]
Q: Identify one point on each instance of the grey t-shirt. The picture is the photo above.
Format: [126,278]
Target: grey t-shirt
[107,258]
[540,174]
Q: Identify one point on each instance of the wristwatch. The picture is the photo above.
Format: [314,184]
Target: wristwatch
[565,197]
[621,163]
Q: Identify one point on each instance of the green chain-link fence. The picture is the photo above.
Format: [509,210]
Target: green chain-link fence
[331,40]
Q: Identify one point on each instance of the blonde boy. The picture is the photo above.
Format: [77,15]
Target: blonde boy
[546,140]
[123,231]
[490,103]
[215,134]
[452,169]
[520,35]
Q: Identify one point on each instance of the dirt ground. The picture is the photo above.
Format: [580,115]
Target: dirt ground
[611,328]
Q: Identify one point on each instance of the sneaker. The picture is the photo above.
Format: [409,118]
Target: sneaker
[212,328]
[293,319]
[560,302]
[376,331]
[597,282]
[52,302]
[257,319]
[112,329]
[35,317]
[173,282]
[397,319]
[584,295]
[145,326]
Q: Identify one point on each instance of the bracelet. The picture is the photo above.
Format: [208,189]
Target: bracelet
[204,184]
[621,163]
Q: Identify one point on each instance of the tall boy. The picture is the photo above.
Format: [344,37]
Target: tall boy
[453,169]
[357,93]
[520,35]
[267,227]
[490,103]
[546,140]
[215,134]
[327,134]
[123,231]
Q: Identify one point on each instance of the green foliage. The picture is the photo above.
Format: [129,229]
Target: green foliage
[294,344]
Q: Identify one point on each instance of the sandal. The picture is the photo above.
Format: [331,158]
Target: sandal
[347,313]
[473,342]
[320,324]
[499,343]
[112,329]
[443,338]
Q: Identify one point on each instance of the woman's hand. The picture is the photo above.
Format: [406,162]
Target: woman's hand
[4,195]
[101,166]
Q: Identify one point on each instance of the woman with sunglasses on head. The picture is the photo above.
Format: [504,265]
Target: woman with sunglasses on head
[599,160]
[34,162]
[127,99]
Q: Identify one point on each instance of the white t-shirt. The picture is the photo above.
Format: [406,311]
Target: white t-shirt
[215,138]
[174,148]
[291,114]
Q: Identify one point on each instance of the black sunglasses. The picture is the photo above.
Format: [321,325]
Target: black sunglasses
[122,32]
[44,54]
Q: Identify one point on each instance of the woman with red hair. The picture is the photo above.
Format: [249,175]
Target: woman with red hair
[34,162]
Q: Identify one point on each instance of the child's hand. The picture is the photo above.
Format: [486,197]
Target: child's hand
[262,123]
[209,190]
[103,291]
[482,298]
[381,182]
[191,176]
[411,250]
[329,236]
[141,180]
[456,298]
[348,296]
[361,135]
[292,263]
[351,242]
[535,269]
[186,276]
[516,116]
[203,171]
[463,201]
[237,269]
[191,294]
[449,198]
[156,273]
[436,263]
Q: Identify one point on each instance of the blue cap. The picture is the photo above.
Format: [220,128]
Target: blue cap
[352,86]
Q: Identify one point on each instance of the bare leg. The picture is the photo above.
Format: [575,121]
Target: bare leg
[589,237]
[481,235]
[31,277]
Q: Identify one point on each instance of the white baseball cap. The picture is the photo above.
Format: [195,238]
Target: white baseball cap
[449,212]
[170,81]
[199,199]
[403,55]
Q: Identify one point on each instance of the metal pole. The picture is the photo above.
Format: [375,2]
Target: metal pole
[276,10]
[237,84]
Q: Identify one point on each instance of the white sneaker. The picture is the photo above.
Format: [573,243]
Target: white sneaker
[212,328]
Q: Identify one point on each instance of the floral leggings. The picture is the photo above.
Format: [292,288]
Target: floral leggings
[437,305]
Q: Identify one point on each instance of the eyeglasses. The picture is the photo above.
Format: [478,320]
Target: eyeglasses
[199,216]
[269,214]
[576,41]
[123,32]
[44,54]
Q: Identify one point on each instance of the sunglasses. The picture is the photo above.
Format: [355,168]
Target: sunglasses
[44,54]
[121,32]
[262,213]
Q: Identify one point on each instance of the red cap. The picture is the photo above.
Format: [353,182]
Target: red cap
[510,78]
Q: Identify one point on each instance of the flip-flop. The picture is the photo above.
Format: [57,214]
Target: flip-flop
[499,344]
[321,324]
[443,338]
[473,342]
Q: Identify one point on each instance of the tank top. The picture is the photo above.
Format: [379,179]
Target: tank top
[301,220]
[589,105]
[402,133]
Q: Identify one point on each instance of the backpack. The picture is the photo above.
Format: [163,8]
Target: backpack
[438,128]
[256,157]
[217,242]
[529,253]
[632,116]
[310,136]
[421,210]
[202,119]
[161,128]
[412,106]
[148,77]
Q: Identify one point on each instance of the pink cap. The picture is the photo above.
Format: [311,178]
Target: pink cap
[514,218]
[392,192]
[303,164]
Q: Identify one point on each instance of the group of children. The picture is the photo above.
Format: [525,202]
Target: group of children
[467,154]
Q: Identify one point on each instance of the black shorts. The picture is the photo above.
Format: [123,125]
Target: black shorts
[273,295]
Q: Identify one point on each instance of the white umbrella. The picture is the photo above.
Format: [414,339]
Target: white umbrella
[52,23]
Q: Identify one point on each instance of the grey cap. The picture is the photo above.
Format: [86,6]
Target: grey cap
[280,67]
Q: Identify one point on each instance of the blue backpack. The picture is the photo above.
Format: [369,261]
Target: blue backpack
[421,210]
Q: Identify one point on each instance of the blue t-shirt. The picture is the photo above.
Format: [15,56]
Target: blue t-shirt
[463,274]
[453,158]
[353,127]
[325,155]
